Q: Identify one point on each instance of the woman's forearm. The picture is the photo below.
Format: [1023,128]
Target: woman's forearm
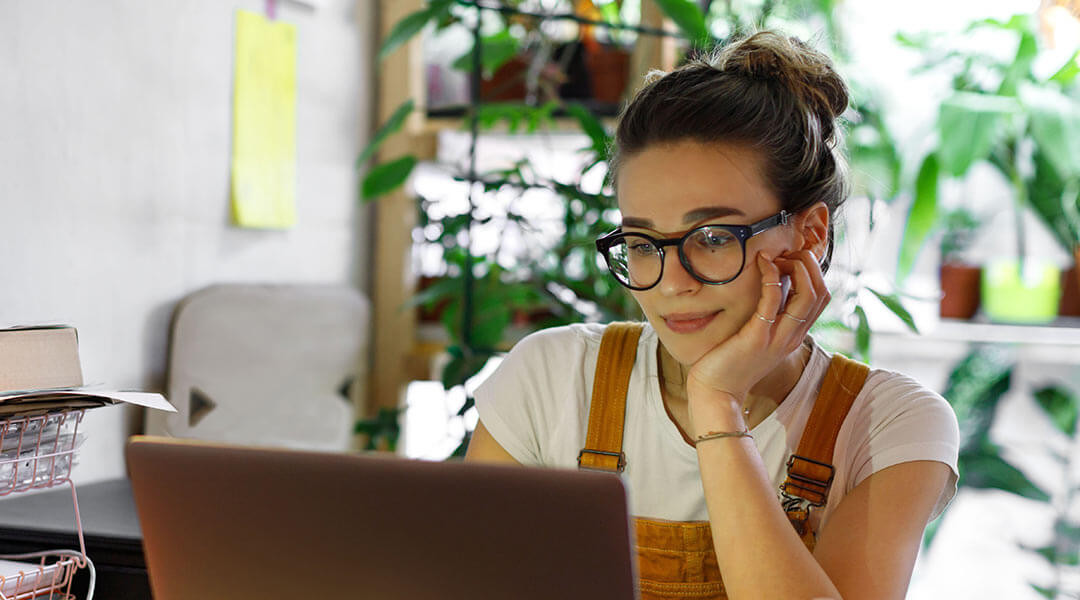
[759,553]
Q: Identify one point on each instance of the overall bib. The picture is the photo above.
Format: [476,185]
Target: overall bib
[677,559]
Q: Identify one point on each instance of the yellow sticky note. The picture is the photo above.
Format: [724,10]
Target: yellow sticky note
[264,123]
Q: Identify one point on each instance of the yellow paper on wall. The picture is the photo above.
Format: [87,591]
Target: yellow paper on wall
[263,186]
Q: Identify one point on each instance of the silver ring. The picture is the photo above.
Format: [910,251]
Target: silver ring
[776,283]
[794,318]
[769,321]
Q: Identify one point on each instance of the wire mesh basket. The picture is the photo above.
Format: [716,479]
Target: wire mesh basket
[37,452]
[41,575]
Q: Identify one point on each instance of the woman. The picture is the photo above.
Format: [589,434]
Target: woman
[728,178]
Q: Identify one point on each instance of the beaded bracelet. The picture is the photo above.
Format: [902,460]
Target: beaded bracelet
[712,435]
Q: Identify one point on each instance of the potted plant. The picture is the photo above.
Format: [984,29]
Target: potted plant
[958,275]
[1002,113]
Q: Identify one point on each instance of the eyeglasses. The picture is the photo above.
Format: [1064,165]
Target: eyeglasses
[712,254]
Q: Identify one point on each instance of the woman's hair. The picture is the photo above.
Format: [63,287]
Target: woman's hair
[771,93]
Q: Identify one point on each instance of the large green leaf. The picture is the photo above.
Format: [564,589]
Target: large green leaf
[412,24]
[495,50]
[921,216]
[386,177]
[892,302]
[1061,406]
[1020,69]
[1055,126]
[390,127]
[688,17]
[969,124]
[988,470]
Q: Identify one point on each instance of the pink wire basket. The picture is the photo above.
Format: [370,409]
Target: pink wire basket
[38,452]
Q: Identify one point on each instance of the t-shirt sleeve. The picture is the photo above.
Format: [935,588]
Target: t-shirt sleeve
[902,421]
[514,402]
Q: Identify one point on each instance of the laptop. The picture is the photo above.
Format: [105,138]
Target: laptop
[237,523]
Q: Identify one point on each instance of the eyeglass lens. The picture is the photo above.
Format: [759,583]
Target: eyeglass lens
[714,254]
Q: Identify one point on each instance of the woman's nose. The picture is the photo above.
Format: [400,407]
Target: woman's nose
[676,280]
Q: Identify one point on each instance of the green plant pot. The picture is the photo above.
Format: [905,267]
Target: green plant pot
[1009,298]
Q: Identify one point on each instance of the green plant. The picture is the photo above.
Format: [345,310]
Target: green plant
[481,292]
[958,228]
[975,388]
[1001,112]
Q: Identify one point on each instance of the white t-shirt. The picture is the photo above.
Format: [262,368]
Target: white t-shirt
[536,406]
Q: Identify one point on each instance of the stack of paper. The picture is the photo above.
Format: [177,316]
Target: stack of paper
[40,372]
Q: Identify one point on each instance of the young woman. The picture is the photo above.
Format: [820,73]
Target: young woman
[729,176]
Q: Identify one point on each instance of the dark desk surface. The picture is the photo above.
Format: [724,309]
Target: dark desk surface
[46,521]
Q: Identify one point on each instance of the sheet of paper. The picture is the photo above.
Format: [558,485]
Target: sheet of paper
[263,186]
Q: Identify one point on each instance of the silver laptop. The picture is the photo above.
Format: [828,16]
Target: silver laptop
[241,523]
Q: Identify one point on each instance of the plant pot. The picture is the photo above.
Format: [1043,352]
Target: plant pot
[1070,288]
[609,69]
[1032,298]
[959,290]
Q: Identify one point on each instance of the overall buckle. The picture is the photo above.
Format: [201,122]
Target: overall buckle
[619,455]
[814,490]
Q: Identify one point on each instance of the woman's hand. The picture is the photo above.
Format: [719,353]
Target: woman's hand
[723,376]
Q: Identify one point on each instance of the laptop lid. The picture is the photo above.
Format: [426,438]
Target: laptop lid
[223,521]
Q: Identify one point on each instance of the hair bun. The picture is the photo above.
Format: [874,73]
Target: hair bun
[807,73]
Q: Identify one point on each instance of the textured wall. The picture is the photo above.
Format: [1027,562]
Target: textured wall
[115,127]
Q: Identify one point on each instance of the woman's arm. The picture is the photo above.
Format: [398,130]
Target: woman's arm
[871,540]
[867,549]
[484,448]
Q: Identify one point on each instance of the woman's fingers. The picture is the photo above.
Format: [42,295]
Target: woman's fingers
[772,296]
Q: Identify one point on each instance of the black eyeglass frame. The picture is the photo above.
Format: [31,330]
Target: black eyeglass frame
[741,232]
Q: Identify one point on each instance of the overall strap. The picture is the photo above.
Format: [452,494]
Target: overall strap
[607,411]
[810,470]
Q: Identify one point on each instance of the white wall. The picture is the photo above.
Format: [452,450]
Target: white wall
[115,128]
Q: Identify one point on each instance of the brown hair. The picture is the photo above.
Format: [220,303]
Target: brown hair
[775,94]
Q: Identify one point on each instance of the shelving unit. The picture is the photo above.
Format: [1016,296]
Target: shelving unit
[404,353]
[38,452]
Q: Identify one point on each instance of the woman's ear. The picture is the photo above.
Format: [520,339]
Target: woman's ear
[812,229]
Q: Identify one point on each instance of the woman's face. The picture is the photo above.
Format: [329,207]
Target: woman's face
[667,190]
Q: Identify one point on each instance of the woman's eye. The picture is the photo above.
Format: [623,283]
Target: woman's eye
[642,248]
[712,241]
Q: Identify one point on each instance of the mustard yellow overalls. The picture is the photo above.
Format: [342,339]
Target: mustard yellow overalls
[677,559]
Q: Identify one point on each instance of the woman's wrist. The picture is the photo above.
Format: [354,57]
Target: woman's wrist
[715,412]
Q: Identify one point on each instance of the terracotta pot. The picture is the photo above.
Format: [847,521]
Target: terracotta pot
[960,290]
[1070,288]
[609,68]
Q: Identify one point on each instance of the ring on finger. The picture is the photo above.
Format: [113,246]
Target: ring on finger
[776,283]
[793,317]
[769,321]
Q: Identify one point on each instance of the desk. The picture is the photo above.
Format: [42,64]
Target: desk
[46,521]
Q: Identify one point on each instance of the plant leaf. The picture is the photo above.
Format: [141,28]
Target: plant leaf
[1061,406]
[1055,125]
[592,127]
[921,216]
[892,302]
[1068,71]
[988,470]
[386,177]
[390,127]
[405,29]
[862,334]
[1048,593]
[968,126]
[975,386]
[688,17]
[495,50]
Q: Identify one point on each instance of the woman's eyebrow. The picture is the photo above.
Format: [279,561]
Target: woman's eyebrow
[694,216]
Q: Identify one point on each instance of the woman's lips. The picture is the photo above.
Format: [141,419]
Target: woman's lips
[688,322]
